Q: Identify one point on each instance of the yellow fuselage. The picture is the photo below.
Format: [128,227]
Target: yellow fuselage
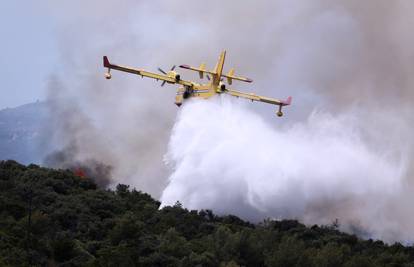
[197,90]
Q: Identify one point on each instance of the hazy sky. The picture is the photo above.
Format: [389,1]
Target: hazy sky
[28,52]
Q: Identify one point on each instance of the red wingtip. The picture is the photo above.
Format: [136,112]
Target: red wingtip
[106,62]
[184,66]
[288,101]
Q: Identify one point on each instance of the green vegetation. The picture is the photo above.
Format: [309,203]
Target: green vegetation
[54,218]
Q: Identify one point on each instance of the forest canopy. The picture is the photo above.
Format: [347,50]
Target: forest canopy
[55,218]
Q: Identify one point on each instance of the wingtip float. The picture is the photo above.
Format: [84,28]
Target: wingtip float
[189,89]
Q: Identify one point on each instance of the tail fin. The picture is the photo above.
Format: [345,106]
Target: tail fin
[219,67]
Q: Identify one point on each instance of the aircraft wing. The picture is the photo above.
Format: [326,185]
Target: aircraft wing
[143,73]
[255,97]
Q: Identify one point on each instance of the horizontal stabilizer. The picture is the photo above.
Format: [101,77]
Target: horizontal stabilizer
[201,69]
[238,78]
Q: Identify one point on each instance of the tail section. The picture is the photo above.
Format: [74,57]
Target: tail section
[219,67]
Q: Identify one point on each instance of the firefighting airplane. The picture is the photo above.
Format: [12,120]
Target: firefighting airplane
[192,89]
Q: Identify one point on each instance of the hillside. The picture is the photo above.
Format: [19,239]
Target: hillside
[54,218]
[21,132]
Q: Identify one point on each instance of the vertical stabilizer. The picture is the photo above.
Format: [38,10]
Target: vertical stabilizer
[219,67]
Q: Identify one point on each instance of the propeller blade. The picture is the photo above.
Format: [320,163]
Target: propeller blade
[173,67]
[163,83]
[162,71]
[208,77]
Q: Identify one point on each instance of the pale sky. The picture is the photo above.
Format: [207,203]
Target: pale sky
[28,52]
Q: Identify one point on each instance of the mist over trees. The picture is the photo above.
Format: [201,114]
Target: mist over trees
[55,218]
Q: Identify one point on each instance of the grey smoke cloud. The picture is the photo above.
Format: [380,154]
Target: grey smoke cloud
[347,64]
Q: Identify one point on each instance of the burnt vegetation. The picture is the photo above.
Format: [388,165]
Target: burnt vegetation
[55,218]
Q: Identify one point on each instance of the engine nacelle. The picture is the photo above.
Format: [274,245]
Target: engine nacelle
[172,74]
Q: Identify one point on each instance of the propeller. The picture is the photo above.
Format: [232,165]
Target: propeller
[162,71]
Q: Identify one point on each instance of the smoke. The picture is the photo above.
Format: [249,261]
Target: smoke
[66,159]
[343,149]
[118,123]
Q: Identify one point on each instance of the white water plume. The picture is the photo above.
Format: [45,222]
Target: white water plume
[230,160]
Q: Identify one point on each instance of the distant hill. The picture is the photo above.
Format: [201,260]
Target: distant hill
[21,130]
[55,218]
